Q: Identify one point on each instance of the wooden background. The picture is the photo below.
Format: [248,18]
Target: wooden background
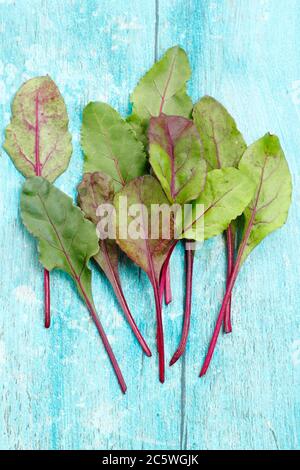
[57,389]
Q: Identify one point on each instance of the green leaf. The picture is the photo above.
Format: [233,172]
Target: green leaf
[148,253]
[223,143]
[37,138]
[176,156]
[226,194]
[265,163]
[66,240]
[110,145]
[139,127]
[162,89]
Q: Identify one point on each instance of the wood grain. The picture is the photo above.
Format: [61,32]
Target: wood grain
[57,389]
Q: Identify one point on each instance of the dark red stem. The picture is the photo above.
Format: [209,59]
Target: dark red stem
[104,339]
[47,298]
[230,286]
[114,280]
[168,290]
[160,333]
[189,260]
[122,301]
[230,264]
[163,274]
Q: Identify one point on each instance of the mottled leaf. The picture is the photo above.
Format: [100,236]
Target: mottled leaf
[226,194]
[222,141]
[176,156]
[110,145]
[149,253]
[37,138]
[265,163]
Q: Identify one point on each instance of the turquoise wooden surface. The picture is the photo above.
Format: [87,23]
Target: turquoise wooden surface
[57,387]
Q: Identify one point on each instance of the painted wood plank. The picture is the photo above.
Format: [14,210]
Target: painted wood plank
[58,390]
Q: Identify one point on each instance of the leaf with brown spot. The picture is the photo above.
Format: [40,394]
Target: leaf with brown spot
[37,138]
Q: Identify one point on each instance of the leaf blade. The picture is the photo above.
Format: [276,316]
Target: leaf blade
[37,138]
[268,211]
[226,194]
[66,240]
[223,143]
[109,145]
[176,156]
[163,87]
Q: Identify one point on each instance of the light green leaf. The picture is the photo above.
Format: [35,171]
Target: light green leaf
[110,145]
[176,156]
[66,240]
[265,163]
[226,194]
[37,138]
[163,89]
[222,141]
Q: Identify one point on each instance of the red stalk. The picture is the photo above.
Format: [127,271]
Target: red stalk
[160,332]
[122,301]
[47,298]
[103,337]
[115,283]
[168,291]
[189,257]
[230,264]
[163,274]
[230,286]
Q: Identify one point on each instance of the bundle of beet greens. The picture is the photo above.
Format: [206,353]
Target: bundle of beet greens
[166,154]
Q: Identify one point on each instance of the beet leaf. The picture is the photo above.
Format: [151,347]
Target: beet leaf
[223,147]
[264,162]
[162,90]
[96,189]
[148,253]
[66,241]
[176,156]
[38,141]
[109,145]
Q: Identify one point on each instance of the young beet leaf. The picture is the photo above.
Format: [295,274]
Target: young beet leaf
[67,241]
[265,163]
[223,147]
[162,90]
[109,145]
[176,156]
[37,139]
[148,252]
[94,190]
